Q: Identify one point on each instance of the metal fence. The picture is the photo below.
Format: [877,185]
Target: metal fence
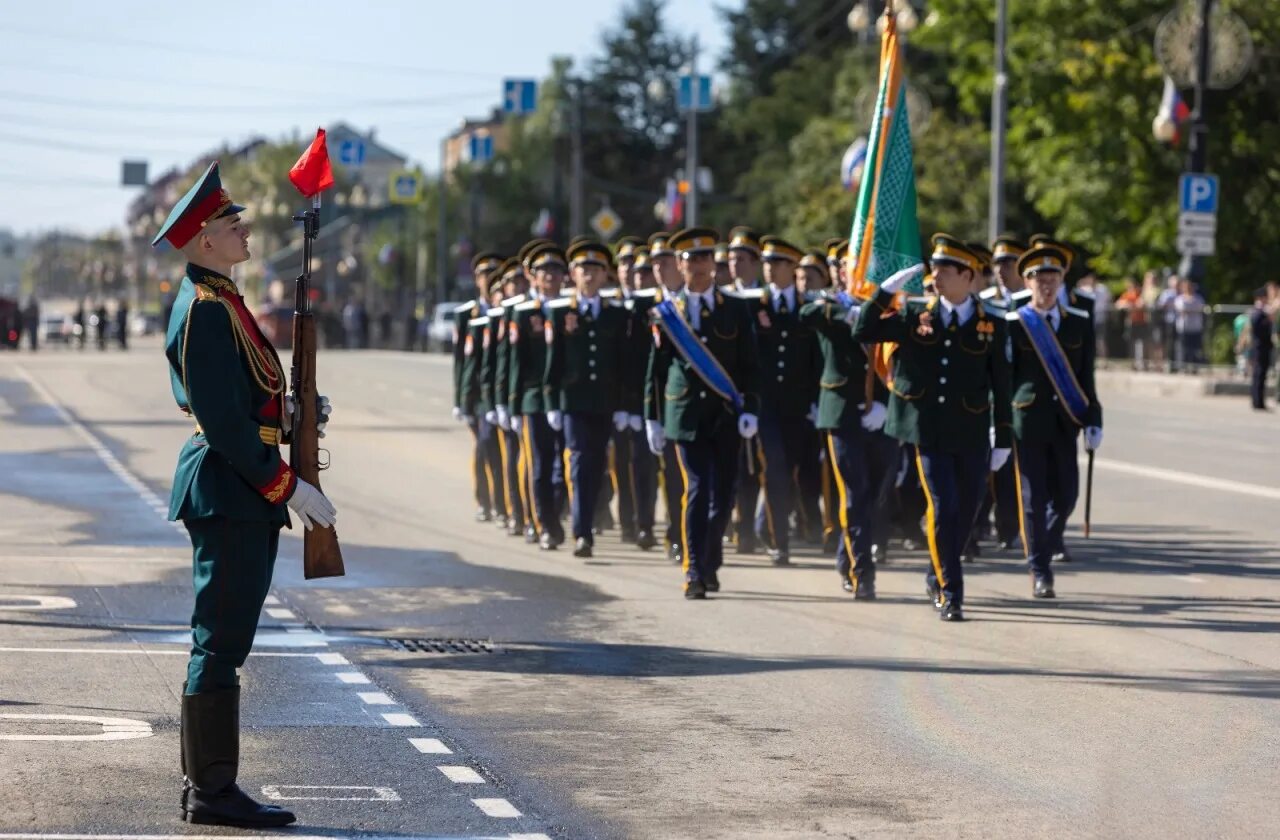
[1157,340]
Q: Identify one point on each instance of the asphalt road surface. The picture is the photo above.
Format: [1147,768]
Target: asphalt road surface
[1141,703]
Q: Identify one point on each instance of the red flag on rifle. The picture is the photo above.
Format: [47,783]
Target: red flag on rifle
[312,173]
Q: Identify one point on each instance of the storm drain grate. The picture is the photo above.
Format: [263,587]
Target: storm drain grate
[449,646]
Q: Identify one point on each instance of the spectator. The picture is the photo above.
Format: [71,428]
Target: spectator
[1188,309]
[100,322]
[32,317]
[1260,334]
[1101,310]
[1165,316]
[122,323]
[1243,338]
[352,319]
[1134,310]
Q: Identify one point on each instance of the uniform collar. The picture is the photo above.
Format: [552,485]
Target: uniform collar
[963,310]
[789,293]
[211,278]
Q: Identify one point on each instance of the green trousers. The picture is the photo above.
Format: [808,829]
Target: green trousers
[232,563]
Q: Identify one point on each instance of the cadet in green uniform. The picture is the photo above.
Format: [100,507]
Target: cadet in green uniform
[476,395]
[666,272]
[622,456]
[950,389]
[1051,352]
[744,266]
[644,464]
[464,359]
[697,398]
[230,491]
[514,286]
[586,336]
[724,277]
[812,282]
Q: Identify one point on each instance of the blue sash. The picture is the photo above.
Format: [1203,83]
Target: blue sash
[692,350]
[1070,395]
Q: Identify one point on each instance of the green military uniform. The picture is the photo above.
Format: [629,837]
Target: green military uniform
[495,375]
[476,401]
[464,365]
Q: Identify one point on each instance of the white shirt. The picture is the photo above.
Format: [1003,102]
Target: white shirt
[789,293]
[964,311]
[693,304]
[590,305]
[1053,316]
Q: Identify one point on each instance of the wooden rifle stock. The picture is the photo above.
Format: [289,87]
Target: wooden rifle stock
[321,554]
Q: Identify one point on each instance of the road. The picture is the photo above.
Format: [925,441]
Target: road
[1141,703]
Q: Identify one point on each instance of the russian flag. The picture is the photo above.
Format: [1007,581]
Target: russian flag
[851,165]
[1172,114]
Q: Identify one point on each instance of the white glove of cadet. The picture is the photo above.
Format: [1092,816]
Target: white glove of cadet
[998,458]
[655,435]
[636,422]
[491,417]
[873,420]
[1092,438]
[896,281]
[555,420]
[812,416]
[516,422]
[748,425]
[311,506]
[458,415]
[504,419]
[620,420]
[323,409]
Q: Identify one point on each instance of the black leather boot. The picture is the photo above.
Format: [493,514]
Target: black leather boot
[210,762]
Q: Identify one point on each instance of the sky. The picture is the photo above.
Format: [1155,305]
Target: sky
[85,84]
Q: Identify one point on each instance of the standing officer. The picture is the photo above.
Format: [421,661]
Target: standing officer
[586,337]
[790,364]
[1260,332]
[666,272]
[701,387]
[1051,352]
[527,365]
[230,490]
[950,388]
[482,266]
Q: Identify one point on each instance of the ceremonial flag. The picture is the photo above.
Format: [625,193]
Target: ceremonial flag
[313,174]
[855,157]
[1172,114]
[886,233]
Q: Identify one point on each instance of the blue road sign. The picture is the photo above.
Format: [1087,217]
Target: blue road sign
[351,152]
[480,147]
[695,95]
[1198,193]
[519,96]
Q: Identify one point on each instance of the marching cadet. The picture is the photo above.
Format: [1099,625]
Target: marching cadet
[861,457]
[744,258]
[790,364]
[744,265]
[477,395]
[812,282]
[1051,352]
[231,490]
[643,463]
[527,365]
[622,456]
[724,277]
[950,388]
[813,276]
[586,337]
[514,287]
[482,266]
[837,250]
[983,281]
[624,259]
[701,387]
[666,271]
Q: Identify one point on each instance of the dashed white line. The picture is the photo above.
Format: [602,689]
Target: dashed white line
[353,678]
[376,698]
[1190,578]
[281,613]
[509,837]
[430,746]
[331,658]
[272,601]
[497,808]
[400,719]
[461,774]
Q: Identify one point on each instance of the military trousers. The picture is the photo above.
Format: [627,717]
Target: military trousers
[513,484]
[953,484]
[1049,484]
[746,498]
[780,449]
[644,481]
[863,471]
[479,474]
[586,437]
[546,465]
[672,492]
[621,464]
[708,471]
[232,564]
[809,487]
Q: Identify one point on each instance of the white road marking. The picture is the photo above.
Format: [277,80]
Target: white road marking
[353,678]
[99,448]
[1192,479]
[36,602]
[431,746]
[272,601]
[245,836]
[376,698]
[511,837]
[113,729]
[138,652]
[499,808]
[350,793]
[400,719]
[281,613]
[1190,578]
[461,774]
[331,658]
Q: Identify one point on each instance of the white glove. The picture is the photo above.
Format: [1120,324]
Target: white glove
[812,416]
[873,420]
[656,436]
[748,425]
[636,422]
[311,506]
[504,419]
[851,317]
[323,409]
[516,422]
[620,420]
[491,417]
[999,457]
[458,415]
[1092,438]
[896,281]
[555,420]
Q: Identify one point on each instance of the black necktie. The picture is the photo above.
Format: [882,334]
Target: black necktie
[783,309]
[954,319]
[704,312]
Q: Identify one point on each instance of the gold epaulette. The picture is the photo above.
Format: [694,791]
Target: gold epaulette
[203,292]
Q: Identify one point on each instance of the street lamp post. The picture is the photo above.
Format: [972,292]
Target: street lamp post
[691,152]
[1198,142]
[999,112]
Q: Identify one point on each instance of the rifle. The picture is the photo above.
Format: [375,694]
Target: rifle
[321,554]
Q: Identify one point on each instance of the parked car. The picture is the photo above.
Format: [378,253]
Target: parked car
[440,327]
[57,329]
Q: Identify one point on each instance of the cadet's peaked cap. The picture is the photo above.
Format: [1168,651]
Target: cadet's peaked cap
[626,247]
[694,240]
[510,268]
[946,248]
[660,244]
[643,262]
[495,282]
[585,251]
[204,202]
[1045,239]
[529,247]
[486,261]
[1007,247]
[837,249]
[1042,258]
[777,248]
[722,253]
[744,238]
[983,253]
[545,254]
[813,258]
